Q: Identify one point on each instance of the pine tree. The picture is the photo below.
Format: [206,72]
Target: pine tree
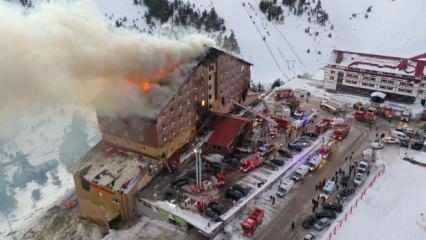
[233,43]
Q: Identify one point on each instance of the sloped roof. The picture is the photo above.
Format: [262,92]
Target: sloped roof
[225,130]
[414,67]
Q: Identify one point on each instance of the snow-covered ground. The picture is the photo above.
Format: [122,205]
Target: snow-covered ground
[34,163]
[381,33]
[391,208]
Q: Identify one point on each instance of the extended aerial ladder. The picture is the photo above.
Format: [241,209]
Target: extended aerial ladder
[270,121]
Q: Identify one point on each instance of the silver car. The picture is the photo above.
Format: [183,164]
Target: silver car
[322,223]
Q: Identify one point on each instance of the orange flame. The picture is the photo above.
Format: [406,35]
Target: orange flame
[144,83]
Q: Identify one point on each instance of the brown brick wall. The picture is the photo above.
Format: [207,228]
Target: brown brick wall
[178,118]
[233,78]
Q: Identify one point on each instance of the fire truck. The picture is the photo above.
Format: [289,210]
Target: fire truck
[283,122]
[253,220]
[341,130]
[251,163]
[283,94]
[325,149]
[323,126]
[365,116]
[388,112]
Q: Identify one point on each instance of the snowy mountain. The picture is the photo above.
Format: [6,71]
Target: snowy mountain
[389,28]
[299,45]
[33,165]
[33,172]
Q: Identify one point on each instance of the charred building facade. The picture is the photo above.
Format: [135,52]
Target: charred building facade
[128,157]
[217,79]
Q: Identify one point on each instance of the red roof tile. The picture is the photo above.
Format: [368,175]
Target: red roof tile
[225,130]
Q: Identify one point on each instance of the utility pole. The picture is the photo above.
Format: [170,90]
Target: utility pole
[198,168]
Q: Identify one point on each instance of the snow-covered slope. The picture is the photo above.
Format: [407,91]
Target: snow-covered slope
[33,165]
[392,27]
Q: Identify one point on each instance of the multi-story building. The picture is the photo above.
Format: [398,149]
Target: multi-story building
[217,79]
[111,173]
[402,79]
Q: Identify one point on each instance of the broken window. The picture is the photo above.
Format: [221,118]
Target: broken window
[85,184]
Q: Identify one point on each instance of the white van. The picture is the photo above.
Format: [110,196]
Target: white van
[301,171]
[327,189]
[285,187]
[400,135]
[314,162]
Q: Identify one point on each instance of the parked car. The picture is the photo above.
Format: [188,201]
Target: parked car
[377,145]
[270,166]
[326,214]
[343,194]
[278,162]
[285,153]
[309,221]
[285,187]
[362,167]
[400,135]
[310,236]
[217,207]
[337,207]
[358,179]
[233,194]
[390,140]
[322,223]
[242,189]
[407,131]
[327,189]
[310,134]
[296,146]
[211,214]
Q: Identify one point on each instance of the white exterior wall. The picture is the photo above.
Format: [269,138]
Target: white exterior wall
[373,82]
[329,79]
[422,89]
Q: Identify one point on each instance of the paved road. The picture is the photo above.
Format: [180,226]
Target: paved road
[300,205]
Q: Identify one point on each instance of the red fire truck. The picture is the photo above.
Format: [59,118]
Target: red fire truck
[365,116]
[283,94]
[323,126]
[253,220]
[341,131]
[251,163]
[387,112]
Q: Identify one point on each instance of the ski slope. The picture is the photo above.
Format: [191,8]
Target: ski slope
[391,28]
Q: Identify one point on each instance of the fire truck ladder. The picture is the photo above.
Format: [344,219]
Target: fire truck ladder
[271,121]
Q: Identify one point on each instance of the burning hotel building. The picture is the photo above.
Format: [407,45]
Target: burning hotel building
[128,157]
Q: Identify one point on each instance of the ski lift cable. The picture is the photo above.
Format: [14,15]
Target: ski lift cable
[288,44]
[267,45]
[287,61]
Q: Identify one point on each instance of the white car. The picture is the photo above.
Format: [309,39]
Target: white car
[377,145]
[390,140]
[310,236]
[362,167]
[358,179]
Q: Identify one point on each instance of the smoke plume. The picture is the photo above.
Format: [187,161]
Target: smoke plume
[68,53]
